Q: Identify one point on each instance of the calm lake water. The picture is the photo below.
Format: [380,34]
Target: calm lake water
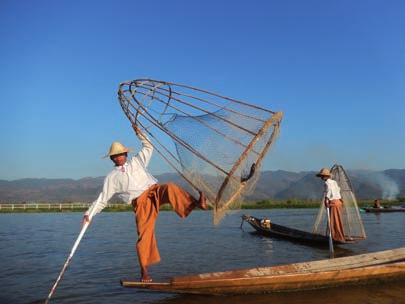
[34,247]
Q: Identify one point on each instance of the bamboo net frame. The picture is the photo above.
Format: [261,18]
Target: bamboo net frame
[247,130]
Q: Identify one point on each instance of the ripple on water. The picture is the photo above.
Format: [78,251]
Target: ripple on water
[35,246]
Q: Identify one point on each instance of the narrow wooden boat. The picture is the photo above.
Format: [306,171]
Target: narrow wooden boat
[386,209]
[363,268]
[291,234]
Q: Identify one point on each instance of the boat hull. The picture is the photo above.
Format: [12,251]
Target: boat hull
[366,268]
[290,234]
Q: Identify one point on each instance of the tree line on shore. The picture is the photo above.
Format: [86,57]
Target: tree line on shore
[117,207]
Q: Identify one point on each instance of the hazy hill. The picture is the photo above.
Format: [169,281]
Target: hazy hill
[272,184]
[308,186]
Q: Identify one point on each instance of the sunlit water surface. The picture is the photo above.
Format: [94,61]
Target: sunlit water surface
[34,247]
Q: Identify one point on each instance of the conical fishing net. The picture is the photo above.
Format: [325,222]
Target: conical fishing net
[216,143]
[352,224]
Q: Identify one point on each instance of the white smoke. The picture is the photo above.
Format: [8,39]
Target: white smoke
[389,187]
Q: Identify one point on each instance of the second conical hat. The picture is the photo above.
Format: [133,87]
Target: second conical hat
[324,172]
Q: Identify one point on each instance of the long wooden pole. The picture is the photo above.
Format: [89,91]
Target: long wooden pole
[331,253]
[72,252]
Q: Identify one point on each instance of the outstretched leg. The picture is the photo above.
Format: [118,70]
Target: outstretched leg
[181,201]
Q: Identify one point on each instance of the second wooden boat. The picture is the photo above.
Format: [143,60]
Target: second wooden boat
[291,234]
[385,209]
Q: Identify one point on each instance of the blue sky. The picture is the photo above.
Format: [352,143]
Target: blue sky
[335,68]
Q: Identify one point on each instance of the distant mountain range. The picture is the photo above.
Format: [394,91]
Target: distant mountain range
[271,185]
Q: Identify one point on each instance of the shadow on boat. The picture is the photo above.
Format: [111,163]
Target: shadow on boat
[391,291]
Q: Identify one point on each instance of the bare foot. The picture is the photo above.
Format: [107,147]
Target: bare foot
[202,201]
[145,278]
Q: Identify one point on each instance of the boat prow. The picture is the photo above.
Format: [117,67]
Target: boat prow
[139,284]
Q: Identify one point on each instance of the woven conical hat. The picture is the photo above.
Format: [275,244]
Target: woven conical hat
[323,172]
[117,148]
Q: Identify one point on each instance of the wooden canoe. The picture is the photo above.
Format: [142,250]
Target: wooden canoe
[363,268]
[386,209]
[291,234]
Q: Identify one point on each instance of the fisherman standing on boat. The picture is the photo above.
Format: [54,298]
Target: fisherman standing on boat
[333,200]
[135,185]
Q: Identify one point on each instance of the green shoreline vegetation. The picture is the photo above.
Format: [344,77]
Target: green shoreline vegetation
[263,204]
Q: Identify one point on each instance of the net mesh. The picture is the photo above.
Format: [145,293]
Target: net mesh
[216,143]
[352,224]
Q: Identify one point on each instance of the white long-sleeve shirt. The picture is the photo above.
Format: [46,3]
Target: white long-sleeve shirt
[332,190]
[127,181]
